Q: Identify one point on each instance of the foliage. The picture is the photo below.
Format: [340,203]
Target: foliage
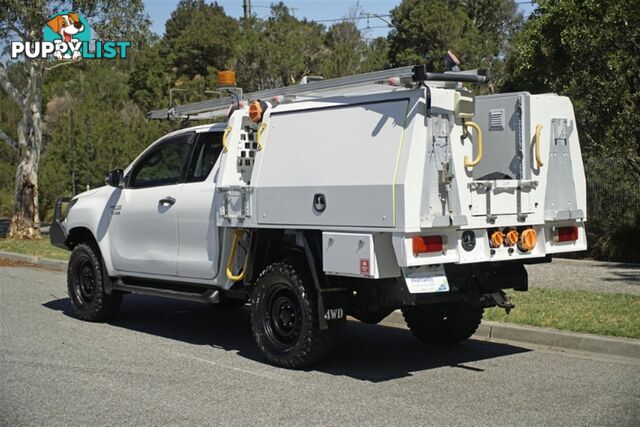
[347,50]
[200,37]
[578,311]
[589,51]
[475,30]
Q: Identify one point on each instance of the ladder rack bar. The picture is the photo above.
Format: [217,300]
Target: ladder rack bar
[224,103]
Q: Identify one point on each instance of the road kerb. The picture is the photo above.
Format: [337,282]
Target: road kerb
[551,338]
[52,264]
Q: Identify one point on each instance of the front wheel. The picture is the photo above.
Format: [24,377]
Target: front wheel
[284,318]
[85,283]
[443,323]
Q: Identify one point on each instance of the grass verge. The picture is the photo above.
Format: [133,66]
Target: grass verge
[41,248]
[592,313]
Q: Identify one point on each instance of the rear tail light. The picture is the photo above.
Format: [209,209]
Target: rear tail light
[528,240]
[512,237]
[497,239]
[424,244]
[566,234]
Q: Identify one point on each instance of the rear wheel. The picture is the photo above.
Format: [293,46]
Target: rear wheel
[85,283]
[284,318]
[444,323]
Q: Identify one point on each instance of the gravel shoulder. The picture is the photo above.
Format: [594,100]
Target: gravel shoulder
[585,275]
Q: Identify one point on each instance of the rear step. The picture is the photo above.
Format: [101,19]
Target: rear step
[211,296]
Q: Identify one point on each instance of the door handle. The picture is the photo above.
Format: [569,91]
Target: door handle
[167,201]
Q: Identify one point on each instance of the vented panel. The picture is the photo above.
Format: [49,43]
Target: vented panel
[496,119]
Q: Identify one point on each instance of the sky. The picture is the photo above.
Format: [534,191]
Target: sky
[315,10]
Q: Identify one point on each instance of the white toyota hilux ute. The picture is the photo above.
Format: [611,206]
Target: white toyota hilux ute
[355,196]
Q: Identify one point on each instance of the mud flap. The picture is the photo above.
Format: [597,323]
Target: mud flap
[334,301]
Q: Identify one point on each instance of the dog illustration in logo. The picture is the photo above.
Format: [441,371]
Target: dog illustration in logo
[67,26]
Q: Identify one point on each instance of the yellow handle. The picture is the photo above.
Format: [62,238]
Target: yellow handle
[224,138]
[261,129]
[536,141]
[470,163]
[237,235]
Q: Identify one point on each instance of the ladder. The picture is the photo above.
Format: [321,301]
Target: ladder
[218,107]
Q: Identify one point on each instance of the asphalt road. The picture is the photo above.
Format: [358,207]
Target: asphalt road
[170,362]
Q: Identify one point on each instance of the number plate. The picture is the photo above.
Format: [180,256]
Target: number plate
[427,279]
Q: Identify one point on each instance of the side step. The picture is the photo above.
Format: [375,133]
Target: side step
[211,296]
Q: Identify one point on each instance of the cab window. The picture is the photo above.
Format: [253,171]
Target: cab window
[207,149]
[164,165]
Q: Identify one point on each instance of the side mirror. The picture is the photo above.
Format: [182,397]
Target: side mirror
[115,178]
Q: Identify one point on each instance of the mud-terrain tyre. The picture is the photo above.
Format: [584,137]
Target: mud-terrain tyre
[85,283]
[284,317]
[444,323]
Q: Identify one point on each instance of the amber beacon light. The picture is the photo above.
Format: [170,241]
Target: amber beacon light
[226,78]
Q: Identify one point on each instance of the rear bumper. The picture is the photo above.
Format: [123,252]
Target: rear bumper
[57,232]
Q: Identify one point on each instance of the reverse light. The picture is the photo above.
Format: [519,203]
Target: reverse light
[566,234]
[425,244]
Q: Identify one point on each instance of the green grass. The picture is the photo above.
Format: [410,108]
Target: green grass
[593,313]
[41,248]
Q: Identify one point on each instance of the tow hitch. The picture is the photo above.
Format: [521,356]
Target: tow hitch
[499,299]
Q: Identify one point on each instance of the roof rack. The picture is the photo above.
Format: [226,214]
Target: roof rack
[218,107]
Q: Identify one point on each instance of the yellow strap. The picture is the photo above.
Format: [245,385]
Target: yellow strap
[536,141]
[261,129]
[237,235]
[224,138]
[470,163]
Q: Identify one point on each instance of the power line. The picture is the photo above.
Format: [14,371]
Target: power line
[356,18]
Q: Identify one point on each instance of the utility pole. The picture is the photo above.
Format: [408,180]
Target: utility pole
[73,153]
[87,145]
[246,5]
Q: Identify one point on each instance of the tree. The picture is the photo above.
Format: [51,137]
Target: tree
[200,37]
[477,31]
[293,47]
[425,30]
[347,50]
[22,84]
[589,51]
[377,56]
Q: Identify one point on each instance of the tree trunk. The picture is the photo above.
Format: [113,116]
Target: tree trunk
[25,223]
